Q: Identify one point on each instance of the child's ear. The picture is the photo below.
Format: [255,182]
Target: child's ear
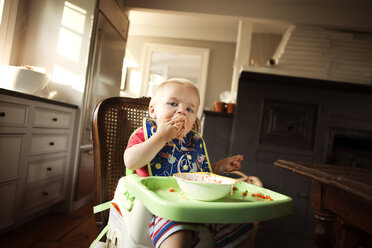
[152,111]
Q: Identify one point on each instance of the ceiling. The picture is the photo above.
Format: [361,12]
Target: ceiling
[195,26]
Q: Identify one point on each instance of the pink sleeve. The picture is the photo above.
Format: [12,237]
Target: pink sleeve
[138,137]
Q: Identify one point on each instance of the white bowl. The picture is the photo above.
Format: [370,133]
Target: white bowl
[204,186]
[20,79]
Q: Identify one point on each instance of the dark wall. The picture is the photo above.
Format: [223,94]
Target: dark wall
[217,134]
[290,118]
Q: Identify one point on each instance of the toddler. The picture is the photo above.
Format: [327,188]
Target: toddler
[166,145]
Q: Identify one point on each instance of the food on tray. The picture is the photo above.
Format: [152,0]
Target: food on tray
[259,194]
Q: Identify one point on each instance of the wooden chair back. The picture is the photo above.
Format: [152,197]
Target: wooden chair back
[114,120]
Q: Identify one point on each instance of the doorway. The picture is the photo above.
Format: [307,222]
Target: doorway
[161,62]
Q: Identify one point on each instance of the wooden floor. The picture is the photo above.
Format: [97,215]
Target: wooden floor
[78,230]
[74,230]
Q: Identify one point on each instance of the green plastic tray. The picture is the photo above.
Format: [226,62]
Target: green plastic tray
[154,193]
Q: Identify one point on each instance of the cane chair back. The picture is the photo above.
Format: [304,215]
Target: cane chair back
[114,120]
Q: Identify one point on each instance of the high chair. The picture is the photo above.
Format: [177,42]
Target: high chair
[114,120]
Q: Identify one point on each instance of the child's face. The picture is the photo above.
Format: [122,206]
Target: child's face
[176,100]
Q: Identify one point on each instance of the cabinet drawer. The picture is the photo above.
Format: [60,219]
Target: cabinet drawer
[44,169]
[10,152]
[12,114]
[52,118]
[42,194]
[48,143]
[288,124]
[7,196]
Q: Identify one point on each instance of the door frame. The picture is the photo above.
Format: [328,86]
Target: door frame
[150,48]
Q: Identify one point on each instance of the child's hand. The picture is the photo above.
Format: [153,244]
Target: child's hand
[228,164]
[180,120]
[171,129]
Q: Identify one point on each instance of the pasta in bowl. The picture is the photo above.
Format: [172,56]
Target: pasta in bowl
[204,186]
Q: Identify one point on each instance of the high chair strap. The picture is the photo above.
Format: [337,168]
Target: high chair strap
[101,207]
[129,172]
[103,232]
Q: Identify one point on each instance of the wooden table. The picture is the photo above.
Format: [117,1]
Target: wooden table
[338,193]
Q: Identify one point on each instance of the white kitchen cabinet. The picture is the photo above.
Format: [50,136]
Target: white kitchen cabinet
[12,114]
[44,193]
[43,169]
[49,118]
[7,196]
[48,143]
[36,144]
[10,150]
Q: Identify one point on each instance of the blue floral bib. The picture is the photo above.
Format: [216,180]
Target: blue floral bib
[188,154]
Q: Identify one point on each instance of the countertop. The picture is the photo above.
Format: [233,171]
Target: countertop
[35,98]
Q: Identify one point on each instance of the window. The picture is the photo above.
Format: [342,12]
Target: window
[8,14]
[1,10]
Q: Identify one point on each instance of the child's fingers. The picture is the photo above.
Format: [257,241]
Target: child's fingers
[174,123]
[180,120]
[235,165]
[238,157]
[178,125]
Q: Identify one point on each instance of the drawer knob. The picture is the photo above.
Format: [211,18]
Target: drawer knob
[49,169]
[2,114]
[51,143]
[55,119]
[45,193]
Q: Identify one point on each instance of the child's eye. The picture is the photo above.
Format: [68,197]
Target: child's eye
[173,104]
[190,110]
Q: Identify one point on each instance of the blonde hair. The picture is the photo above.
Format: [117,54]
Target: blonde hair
[180,81]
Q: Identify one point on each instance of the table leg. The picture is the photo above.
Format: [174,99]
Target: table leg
[323,233]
